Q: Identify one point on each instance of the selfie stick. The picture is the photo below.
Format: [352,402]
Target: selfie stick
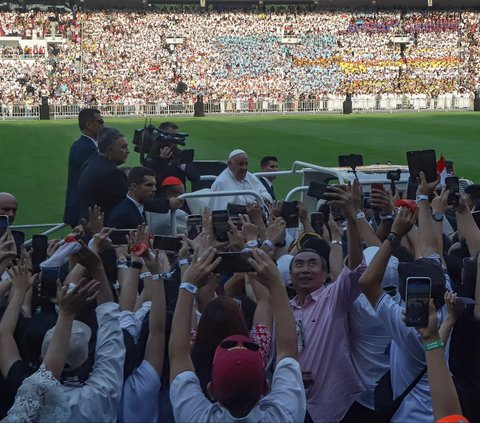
[392,181]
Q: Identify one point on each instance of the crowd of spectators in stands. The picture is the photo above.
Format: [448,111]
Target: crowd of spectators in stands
[237,56]
[202,329]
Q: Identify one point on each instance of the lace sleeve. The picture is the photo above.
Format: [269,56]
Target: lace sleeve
[263,337]
[40,398]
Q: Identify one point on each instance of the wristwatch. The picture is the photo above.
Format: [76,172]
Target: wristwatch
[438,217]
[136,265]
[394,239]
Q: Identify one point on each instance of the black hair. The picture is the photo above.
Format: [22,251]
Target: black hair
[165,126]
[137,175]
[323,262]
[267,159]
[107,138]
[85,116]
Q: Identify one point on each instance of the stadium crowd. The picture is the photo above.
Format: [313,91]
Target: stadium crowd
[123,56]
[259,313]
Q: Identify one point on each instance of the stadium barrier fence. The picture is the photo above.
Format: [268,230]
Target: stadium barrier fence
[235,107]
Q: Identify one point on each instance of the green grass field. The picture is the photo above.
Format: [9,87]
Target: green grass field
[34,153]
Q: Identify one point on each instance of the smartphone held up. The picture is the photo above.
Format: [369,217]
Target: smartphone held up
[417,299]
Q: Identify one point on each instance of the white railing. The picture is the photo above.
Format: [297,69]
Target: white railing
[19,111]
[237,107]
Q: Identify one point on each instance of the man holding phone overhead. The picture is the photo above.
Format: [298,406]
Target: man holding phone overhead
[237,178]
[407,355]
[321,315]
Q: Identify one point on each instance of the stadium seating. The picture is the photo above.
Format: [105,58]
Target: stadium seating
[138,59]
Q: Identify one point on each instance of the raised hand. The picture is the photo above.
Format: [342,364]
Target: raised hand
[277,230]
[424,187]
[87,258]
[265,268]
[201,267]
[404,222]
[20,276]
[95,220]
[73,300]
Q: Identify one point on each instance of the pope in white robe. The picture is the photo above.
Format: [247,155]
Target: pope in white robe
[237,178]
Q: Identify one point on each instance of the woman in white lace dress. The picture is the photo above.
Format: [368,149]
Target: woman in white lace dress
[40,397]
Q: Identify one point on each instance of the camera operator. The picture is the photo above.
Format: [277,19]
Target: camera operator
[168,161]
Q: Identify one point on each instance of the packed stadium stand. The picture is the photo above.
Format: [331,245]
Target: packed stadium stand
[253,61]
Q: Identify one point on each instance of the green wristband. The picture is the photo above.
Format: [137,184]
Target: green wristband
[433,345]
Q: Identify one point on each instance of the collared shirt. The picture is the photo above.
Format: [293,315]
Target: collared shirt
[284,403]
[267,181]
[407,360]
[369,340]
[326,347]
[98,399]
[137,204]
[226,181]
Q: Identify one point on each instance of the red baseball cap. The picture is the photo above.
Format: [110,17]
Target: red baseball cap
[454,418]
[238,375]
[409,204]
[171,180]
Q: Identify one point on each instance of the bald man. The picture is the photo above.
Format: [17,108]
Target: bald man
[237,178]
[8,206]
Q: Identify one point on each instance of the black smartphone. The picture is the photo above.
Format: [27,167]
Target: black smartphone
[167,243]
[39,251]
[194,225]
[412,188]
[233,212]
[48,281]
[317,190]
[233,263]
[367,201]
[451,183]
[416,298]
[235,209]
[119,236]
[3,224]
[422,161]
[476,217]
[18,238]
[186,156]
[317,221]
[350,160]
[290,213]
[220,225]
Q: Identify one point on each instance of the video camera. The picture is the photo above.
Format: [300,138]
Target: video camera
[150,140]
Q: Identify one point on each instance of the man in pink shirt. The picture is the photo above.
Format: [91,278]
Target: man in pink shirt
[320,311]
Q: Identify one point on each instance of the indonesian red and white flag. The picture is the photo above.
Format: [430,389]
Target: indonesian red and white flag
[442,169]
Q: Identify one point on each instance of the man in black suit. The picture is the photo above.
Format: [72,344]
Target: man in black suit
[268,164]
[103,184]
[130,212]
[90,122]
